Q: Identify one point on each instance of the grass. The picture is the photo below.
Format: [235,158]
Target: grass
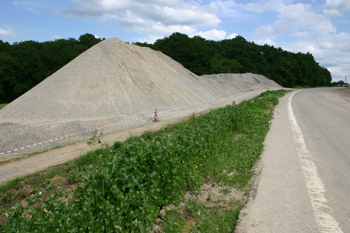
[13,184]
[123,187]
[217,219]
[52,173]
[2,106]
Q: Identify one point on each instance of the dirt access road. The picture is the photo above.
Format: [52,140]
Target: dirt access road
[304,185]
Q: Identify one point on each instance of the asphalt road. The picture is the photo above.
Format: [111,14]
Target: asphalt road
[323,115]
[304,185]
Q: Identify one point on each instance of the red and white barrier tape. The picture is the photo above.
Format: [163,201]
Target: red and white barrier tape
[70,135]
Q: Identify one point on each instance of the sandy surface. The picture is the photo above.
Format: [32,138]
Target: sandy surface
[117,86]
[344,92]
[114,82]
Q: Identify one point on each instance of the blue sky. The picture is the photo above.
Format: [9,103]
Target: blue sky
[319,27]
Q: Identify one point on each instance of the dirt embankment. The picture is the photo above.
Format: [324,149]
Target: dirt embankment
[113,85]
[110,83]
[344,92]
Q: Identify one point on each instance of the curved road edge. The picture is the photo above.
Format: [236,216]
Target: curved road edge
[289,191]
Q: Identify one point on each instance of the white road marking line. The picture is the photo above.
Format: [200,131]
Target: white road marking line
[314,184]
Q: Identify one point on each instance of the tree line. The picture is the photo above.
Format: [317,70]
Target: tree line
[25,64]
[237,55]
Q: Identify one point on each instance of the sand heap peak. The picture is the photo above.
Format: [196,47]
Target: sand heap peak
[110,79]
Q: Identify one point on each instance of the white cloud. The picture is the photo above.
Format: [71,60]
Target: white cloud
[213,34]
[296,20]
[20,3]
[153,18]
[266,41]
[333,7]
[232,35]
[332,12]
[337,5]
[169,13]
[230,8]
[34,11]
[266,5]
[7,32]
[56,37]
[159,30]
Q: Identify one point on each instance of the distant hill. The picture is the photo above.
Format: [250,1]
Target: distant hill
[237,55]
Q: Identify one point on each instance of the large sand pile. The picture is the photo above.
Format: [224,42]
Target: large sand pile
[113,82]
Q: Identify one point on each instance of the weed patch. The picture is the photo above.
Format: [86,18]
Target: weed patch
[217,219]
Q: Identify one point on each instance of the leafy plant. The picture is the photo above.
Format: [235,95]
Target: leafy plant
[12,184]
[117,145]
[31,200]
[95,139]
[50,186]
[174,221]
[7,197]
[218,219]
[2,209]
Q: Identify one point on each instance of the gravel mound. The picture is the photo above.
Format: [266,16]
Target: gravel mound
[113,82]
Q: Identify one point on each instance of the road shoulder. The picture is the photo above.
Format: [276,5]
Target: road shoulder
[281,202]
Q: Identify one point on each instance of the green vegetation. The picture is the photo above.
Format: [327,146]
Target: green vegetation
[25,64]
[2,106]
[13,184]
[339,83]
[50,186]
[122,188]
[237,55]
[216,219]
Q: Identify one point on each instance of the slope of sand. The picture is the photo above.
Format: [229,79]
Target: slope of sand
[110,79]
[114,82]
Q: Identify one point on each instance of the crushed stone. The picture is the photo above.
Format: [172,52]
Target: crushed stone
[115,82]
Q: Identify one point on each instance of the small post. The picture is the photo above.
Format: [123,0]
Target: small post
[155,115]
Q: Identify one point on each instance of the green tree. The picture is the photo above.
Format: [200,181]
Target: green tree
[23,65]
[237,55]
[89,40]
